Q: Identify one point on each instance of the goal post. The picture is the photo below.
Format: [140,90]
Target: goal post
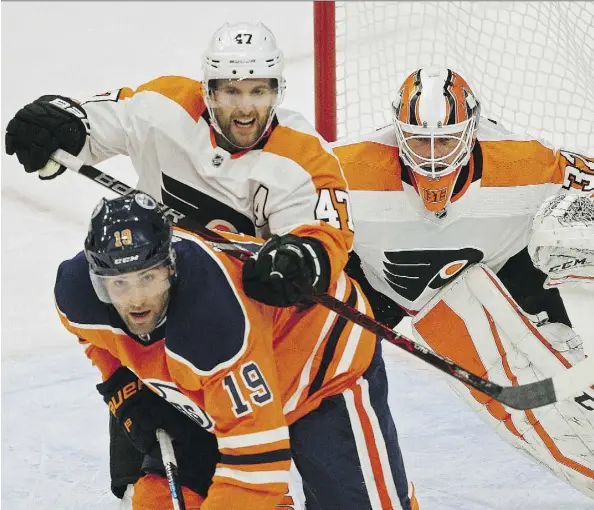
[325,68]
[530,63]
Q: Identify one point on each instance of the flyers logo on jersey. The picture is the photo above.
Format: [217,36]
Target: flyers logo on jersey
[410,272]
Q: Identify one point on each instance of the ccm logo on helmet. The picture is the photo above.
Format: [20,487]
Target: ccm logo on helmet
[123,260]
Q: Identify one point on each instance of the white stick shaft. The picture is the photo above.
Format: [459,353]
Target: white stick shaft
[68,160]
[570,382]
[170,463]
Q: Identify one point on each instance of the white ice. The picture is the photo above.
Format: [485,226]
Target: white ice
[54,424]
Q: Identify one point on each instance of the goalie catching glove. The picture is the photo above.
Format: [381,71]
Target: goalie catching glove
[140,411]
[562,239]
[40,128]
[286,269]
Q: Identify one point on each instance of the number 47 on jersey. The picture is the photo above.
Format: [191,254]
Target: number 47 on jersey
[326,208]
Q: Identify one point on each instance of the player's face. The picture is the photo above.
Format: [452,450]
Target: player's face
[141,297]
[445,151]
[242,108]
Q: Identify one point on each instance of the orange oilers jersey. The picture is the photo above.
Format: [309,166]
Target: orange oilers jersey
[289,182]
[407,252]
[240,369]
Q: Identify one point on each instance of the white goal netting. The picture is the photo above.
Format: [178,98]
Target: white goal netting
[531,63]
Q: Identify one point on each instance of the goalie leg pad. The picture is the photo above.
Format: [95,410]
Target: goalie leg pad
[476,323]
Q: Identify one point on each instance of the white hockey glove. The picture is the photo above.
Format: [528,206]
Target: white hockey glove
[562,239]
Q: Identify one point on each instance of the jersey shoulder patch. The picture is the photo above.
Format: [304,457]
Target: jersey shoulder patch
[508,163]
[207,324]
[370,166]
[308,151]
[74,293]
[184,91]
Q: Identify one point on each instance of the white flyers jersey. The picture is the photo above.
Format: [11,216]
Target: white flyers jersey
[290,182]
[406,252]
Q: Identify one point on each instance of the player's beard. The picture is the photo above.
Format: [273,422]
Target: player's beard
[147,322]
[244,138]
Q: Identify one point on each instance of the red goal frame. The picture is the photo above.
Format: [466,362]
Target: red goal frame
[325,68]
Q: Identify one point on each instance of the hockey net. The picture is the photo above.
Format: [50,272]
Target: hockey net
[531,63]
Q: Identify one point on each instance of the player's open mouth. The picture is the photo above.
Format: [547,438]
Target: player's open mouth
[243,124]
[139,316]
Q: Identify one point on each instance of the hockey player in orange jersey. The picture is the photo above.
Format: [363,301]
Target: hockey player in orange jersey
[167,321]
[443,203]
[219,150]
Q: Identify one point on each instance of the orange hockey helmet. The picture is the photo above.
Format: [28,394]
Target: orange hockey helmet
[436,118]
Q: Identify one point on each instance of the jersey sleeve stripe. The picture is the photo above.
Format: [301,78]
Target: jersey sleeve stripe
[256,438]
[254,477]
[186,92]
[280,465]
[76,325]
[304,378]
[257,458]
[330,348]
[370,166]
[352,343]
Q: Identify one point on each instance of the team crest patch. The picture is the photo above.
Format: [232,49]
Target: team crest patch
[410,272]
[217,160]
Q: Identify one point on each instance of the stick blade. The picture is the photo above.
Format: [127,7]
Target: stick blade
[528,396]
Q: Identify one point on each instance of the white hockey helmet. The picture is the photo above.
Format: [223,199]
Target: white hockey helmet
[436,118]
[239,52]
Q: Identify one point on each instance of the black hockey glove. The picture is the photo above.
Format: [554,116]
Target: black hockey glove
[140,411]
[38,129]
[286,269]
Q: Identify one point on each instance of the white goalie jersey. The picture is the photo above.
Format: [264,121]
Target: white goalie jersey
[407,253]
[442,271]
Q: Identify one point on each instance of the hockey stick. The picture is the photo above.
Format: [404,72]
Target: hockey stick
[170,463]
[522,397]
[578,378]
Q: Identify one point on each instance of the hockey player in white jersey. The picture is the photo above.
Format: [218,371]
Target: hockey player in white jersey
[221,151]
[443,204]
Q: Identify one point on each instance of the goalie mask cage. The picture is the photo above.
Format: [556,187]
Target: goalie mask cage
[530,63]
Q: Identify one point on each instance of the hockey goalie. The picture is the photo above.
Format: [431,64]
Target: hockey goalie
[473,231]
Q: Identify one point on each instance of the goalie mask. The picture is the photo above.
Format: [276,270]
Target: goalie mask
[435,117]
[243,82]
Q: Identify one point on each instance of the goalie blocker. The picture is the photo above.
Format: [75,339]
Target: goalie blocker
[476,323]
